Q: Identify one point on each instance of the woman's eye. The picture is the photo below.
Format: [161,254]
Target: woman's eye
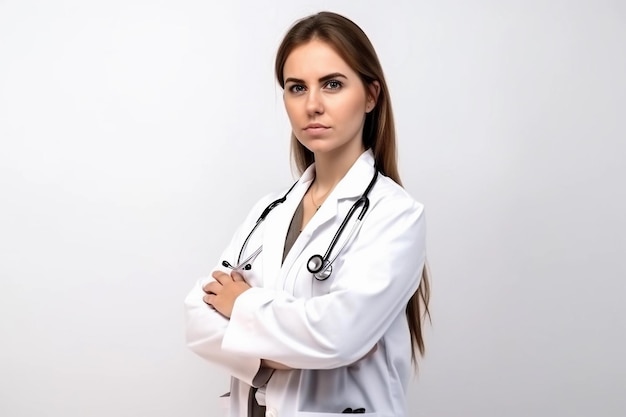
[333,85]
[296,88]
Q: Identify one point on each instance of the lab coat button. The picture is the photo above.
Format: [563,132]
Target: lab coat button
[271,412]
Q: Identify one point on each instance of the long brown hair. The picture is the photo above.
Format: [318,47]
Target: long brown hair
[351,43]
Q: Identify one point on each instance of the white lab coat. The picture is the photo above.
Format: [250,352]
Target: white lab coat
[322,329]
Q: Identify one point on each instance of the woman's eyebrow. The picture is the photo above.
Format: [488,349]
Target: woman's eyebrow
[331,76]
[321,80]
[294,80]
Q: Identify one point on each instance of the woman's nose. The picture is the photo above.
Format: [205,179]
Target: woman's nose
[314,103]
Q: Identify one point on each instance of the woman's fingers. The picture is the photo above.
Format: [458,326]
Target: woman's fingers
[212,288]
[237,276]
[222,293]
[221,277]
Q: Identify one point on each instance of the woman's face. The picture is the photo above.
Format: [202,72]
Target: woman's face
[325,100]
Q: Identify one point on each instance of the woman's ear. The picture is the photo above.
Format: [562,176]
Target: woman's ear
[373,90]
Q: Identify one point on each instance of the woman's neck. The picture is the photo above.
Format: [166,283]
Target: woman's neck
[330,168]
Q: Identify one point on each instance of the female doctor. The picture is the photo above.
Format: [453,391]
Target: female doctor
[316,306]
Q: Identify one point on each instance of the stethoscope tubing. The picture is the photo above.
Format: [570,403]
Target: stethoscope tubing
[345,221]
[322,268]
[260,220]
[327,266]
[322,264]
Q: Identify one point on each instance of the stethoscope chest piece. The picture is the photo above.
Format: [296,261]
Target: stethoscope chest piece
[320,269]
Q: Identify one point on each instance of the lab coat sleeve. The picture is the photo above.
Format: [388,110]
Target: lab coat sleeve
[380,273]
[205,327]
[205,331]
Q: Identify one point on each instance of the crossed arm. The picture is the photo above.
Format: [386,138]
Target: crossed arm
[236,332]
[221,295]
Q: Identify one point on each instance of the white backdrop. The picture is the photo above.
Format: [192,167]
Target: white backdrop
[135,135]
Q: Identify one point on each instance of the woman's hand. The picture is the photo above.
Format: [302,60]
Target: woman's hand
[222,293]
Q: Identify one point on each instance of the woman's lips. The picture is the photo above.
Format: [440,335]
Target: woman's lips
[315,129]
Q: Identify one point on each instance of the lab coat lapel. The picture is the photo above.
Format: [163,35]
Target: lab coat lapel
[276,227]
[351,186]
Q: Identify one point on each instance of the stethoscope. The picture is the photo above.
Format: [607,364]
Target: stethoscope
[320,266]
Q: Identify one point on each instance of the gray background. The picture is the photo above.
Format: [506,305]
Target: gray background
[135,135]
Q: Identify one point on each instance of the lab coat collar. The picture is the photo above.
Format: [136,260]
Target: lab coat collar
[351,186]
[353,183]
[356,180]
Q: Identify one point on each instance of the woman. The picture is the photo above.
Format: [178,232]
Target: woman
[314,339]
